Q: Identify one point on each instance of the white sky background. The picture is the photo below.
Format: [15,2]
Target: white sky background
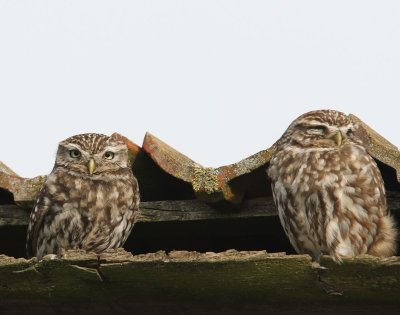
[217,80]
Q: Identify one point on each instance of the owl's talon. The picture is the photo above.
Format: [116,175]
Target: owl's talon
[322,268]
[327,287]
[50,257]
[320,272]
[317,266]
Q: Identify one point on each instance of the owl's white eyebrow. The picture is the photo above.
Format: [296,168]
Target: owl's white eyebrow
[71,146]
[319,126]
[312,124]
[114,148]
[316,122]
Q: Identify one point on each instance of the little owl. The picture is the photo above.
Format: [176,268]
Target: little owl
[88,200]
[328,190]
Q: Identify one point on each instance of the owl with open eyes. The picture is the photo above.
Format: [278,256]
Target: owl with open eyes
[329,191]
[88,201]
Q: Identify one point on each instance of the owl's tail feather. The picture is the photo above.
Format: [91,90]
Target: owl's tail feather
[385,244]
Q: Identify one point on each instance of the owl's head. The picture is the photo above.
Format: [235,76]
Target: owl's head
[92,155]
[322,129]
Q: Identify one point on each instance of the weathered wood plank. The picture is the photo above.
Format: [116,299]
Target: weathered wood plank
[13,215]
[229,277]
[184,210]
[190,210]
[364,276]
[161,211]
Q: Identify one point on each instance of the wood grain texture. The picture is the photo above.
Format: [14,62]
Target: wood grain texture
[229,278]
[184,210]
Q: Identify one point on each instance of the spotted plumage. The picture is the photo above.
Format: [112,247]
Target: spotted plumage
[88,200]
[328,190]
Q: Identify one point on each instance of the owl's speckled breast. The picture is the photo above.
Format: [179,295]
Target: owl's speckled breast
[88,200]
[94,215]
[330,199]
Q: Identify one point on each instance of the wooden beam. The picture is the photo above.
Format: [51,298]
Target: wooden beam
[161,211]
[231,278]
[11,215]
[184,210]
[193,210]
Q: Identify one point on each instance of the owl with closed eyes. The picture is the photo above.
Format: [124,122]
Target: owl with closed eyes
[88,201]
[328,190]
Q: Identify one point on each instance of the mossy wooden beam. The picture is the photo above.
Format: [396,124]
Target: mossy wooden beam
[231,277]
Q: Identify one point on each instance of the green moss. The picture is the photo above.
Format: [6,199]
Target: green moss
[198,278]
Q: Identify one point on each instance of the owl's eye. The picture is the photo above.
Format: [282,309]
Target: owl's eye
[74,153]
[109,155]
[316,130]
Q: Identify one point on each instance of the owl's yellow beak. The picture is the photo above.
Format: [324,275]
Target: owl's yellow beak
[338,138]
[91,166]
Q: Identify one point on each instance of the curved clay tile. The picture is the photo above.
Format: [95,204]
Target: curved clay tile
[380,148]
[166,174]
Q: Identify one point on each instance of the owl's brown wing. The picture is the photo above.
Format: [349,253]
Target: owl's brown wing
[35,221]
